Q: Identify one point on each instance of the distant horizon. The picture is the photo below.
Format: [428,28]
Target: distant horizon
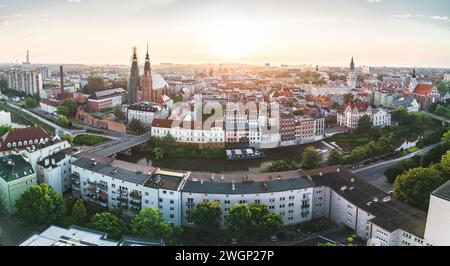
[141,62]
[409,33]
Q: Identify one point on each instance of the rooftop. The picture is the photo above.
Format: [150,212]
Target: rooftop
[79,236]
[13,167]
[443,192]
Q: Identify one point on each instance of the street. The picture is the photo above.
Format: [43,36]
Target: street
[374,174]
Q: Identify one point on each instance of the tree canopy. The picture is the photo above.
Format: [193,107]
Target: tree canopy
[94,84]
[148,223]
[79,211]
[135,126]
[364,124]
[207,216]
[108,223]
[311,158]
[415,185]
[40,205]
[252,222]
[335,157]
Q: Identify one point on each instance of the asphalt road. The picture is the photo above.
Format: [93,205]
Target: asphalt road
[374,174]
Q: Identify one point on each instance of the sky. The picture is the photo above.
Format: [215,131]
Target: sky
[325,32]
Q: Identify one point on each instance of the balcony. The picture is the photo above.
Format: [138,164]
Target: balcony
[190,204]
[75,177]
[123,200]
[136,195]
[135,202]
[91,183]
[102,186]
[75,187]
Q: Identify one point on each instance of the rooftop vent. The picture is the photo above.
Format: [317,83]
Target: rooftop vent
[338,170]
[233,185]
[343,188]
[352,180]
[351,188]
[387,199]
[375,200]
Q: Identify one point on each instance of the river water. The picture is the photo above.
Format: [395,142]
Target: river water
[222,165]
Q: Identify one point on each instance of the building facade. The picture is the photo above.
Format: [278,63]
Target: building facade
[16,176]
[26,81]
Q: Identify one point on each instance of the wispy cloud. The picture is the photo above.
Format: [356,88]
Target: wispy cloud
[375,1]
[412,16]
[74,1]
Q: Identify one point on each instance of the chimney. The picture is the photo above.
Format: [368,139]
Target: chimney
[61,75]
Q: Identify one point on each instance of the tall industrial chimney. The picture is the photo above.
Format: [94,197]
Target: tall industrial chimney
[61,74]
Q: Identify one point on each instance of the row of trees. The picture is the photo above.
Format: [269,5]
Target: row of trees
[41,206]
[248,223]
[415,185]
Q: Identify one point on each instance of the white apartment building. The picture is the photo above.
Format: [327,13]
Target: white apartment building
[287,194]
[381,118]
[297,196]
[27,81]
[350,116]
[54,170]
[437,231]
[188,131]
[116,184]
[146,112]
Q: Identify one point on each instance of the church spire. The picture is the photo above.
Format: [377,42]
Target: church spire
[414,73]
[352,64]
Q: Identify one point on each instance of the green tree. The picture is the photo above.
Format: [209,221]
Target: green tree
[31,102]
[148,223]
[207,216]
[414,186]
[3,84]
[70,108]
[67,138]
[40,205]
[108,223]
[62,110]
[94,84]
[118,112]
[252,222]
[4,129]
[445,163]
[79,211]
[281,166]
[364,124]
[311,158]
[335,157]
[158,153]
[392,172]
[177,98]
[135,126]
[63,121]
[400,115]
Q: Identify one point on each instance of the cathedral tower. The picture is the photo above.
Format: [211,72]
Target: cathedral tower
[133,83]
[146,81]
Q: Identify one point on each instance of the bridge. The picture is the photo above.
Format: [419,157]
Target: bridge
[123,144]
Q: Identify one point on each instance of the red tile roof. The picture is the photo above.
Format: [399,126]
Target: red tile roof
[23,134]
[50,102]
[423,88]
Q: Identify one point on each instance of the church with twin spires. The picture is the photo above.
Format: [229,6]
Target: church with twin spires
[145,88]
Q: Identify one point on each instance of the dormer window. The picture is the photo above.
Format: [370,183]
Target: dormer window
[36,141]
[25,143]
[8,145]
[14,144]
[19,143]
[46,139]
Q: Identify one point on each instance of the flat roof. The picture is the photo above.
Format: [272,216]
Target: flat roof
[443,192]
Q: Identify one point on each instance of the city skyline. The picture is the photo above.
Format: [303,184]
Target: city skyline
[249,32]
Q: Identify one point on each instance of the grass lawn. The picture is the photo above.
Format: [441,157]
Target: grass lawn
[413,149]
[89,140]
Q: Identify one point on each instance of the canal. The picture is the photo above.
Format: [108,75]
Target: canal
[292,153]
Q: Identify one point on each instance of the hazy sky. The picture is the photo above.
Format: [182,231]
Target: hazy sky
[325,32]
